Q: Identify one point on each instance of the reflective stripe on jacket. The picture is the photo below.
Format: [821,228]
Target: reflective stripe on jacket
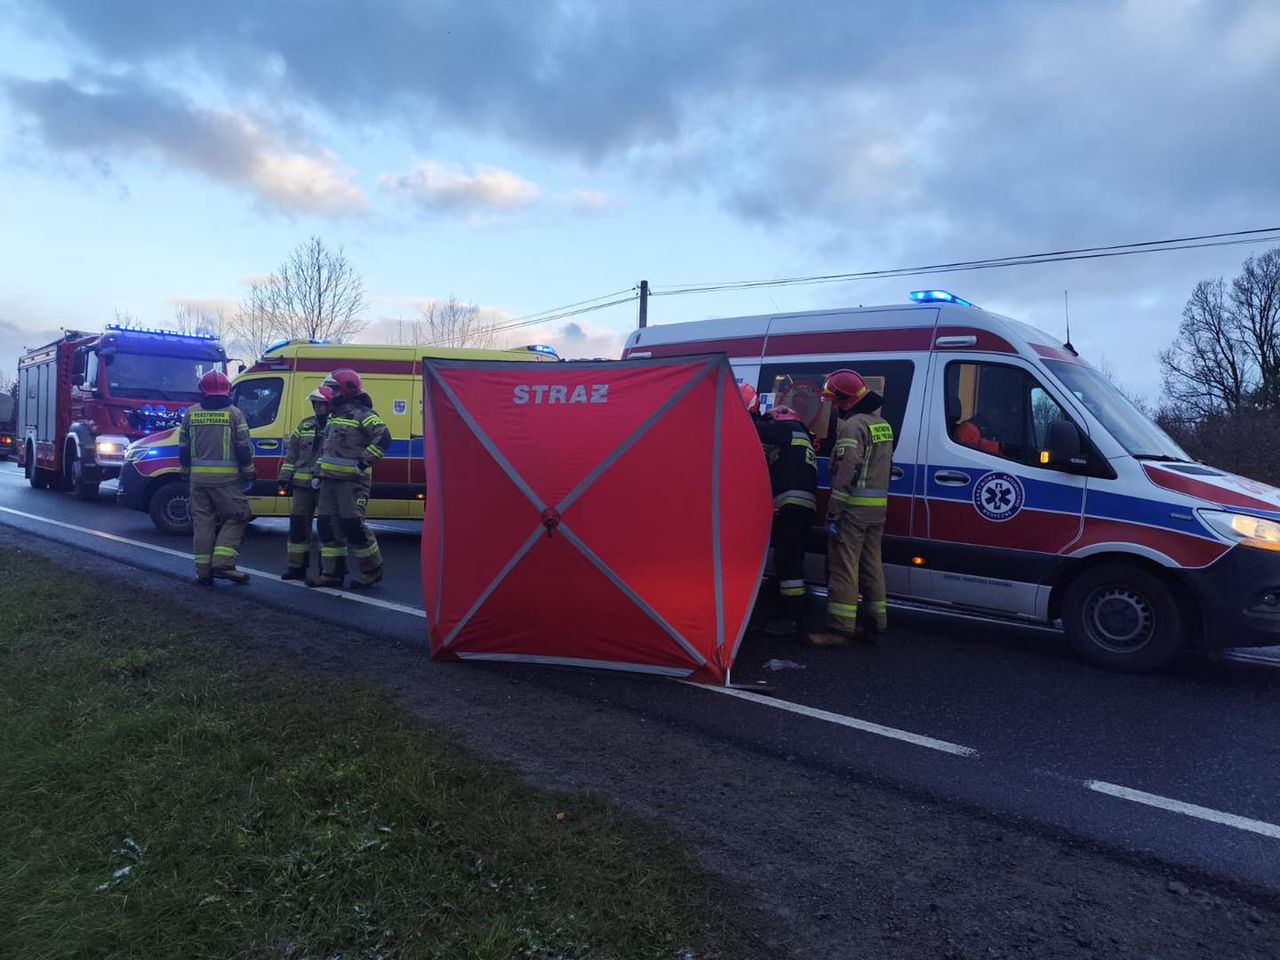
[213,445]
[793,471]
[860,464]
[304,447]
[353,434]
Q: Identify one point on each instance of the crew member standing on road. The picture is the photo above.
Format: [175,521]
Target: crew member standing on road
[793,474]
[354,439]
[296,474]
[215,454]
[860,467]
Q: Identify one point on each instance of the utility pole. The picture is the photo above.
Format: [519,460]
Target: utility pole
[644,304]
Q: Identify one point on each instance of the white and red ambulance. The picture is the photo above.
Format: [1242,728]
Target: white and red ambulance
[1024,484]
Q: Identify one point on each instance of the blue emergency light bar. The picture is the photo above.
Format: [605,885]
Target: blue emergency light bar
[544,348]
[156,331]
[938,296]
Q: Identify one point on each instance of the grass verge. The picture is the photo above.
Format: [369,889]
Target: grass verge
[163,796]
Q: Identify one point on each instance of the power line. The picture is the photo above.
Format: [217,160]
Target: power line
[1257,235]
[552,315]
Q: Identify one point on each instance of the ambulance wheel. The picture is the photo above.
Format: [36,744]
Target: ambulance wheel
[1120,616]
[170,509]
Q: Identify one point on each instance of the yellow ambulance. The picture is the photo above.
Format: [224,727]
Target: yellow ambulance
[272,394]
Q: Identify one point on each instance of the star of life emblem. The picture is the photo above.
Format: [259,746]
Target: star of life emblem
[998,496]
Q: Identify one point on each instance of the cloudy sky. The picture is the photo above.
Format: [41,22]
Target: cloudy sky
[525,155]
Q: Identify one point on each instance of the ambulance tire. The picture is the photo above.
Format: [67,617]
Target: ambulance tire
[1121,616]
[170,508]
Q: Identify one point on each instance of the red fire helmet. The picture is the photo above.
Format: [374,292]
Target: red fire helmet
[344,383]
[215,384]
[750,399]
[844,387]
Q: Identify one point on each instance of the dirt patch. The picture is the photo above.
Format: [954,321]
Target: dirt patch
[835,866]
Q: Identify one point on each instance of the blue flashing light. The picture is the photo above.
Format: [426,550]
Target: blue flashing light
[938,296]
[157,332]
[276,345]
[147,409]
[547,349]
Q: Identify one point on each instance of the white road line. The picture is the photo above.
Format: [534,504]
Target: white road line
[866,726]
[114,538]
[1187,809]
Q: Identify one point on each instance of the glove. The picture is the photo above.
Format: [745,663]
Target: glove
[286,488]
[362,466]
[315,483]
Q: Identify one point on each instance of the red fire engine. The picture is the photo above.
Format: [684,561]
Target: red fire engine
[82,400]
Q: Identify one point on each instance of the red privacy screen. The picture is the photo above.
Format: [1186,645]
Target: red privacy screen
[607,513]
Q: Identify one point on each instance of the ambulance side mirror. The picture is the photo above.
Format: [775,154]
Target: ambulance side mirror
[1064,447]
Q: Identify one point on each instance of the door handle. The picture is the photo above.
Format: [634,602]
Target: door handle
[897,473]
[268,444]
[951,478]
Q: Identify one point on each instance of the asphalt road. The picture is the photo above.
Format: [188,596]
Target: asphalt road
[1183,766]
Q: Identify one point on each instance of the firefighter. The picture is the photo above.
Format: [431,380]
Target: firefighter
[215,454]
[295,478]
[860,465]
[793,474]
[354,439]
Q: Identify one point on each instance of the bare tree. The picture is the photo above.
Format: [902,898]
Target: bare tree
[1207,370]
[1255,299]
[254,326]
[191,318]
[452,323]
[317,294]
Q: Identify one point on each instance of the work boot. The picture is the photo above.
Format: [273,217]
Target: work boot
[294,573]
[238,577]
[327,580]
[827,638]
[366,584]
[782,629]
[204,581]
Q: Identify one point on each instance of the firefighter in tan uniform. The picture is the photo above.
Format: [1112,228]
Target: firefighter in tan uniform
[860,467]
[216,456]
[296,474]
[355,438]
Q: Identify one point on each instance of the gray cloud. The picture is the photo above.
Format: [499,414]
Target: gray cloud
[886,134]
[122,115]
[439,188]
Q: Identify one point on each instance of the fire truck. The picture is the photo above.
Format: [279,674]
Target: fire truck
[85,397]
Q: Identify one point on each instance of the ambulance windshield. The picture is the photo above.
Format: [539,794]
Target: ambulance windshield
[1131,428]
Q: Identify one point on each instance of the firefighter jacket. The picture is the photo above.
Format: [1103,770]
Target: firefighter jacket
[793,464]
[354,438]
[213,444]
[304,448]
[860,466]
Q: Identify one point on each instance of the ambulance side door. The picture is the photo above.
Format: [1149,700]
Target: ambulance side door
[798,384]
[997,519]
[264,399]
[392,398]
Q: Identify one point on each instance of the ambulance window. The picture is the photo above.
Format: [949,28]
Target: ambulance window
[998,409]
[258,400]
[799,386]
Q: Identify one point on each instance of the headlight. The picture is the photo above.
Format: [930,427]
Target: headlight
[110,448]
[1246,529]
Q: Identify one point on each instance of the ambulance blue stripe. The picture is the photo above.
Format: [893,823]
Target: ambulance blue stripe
[1154,513]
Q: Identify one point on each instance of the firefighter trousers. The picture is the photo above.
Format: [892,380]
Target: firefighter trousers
[302,509]
[219,514]
[854,566]
[343,529]
[791,526]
